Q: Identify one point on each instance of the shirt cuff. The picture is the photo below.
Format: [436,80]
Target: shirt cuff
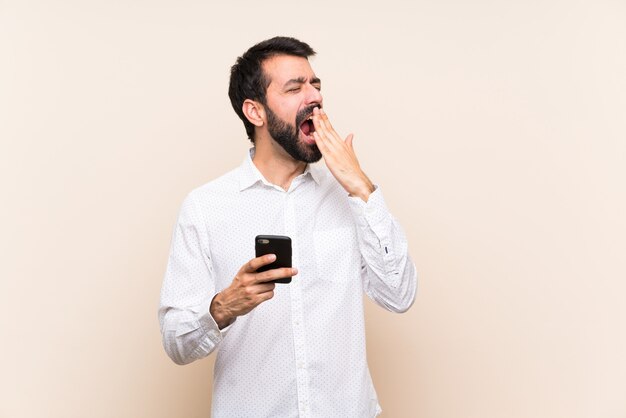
[373,212]
[210,327]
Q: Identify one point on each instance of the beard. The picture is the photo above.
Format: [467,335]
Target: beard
[287,137]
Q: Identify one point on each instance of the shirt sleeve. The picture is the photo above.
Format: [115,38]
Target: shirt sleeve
[389,275]
[188,330]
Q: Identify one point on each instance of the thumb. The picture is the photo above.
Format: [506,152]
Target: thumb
[349,140]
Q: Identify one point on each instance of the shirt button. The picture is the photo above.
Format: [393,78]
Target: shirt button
[301,365]
[296,322]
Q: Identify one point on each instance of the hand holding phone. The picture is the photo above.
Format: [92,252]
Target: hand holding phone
[250,288]
[274,244]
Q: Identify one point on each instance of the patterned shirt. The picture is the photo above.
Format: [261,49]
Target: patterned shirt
[301,353]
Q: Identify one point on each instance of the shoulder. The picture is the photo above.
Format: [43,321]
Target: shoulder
[225,184]
[211,195]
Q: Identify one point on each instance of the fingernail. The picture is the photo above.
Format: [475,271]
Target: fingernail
[294,271]
[271,257]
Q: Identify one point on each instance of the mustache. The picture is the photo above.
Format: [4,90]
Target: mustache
[304,114]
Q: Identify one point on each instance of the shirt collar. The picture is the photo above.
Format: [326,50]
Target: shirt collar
[250,175]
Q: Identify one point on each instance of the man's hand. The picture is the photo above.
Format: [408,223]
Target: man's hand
[248,290]
[340,157]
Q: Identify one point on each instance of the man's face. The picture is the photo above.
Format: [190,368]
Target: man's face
[293,93]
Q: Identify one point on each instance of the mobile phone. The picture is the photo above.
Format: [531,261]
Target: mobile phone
[274,244]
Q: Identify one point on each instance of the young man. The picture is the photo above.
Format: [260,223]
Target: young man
[293,349]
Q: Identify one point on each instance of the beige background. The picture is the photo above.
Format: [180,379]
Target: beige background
[496,129]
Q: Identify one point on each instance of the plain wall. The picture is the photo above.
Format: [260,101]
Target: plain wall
[495,129]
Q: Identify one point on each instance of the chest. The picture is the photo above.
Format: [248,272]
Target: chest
[318,220]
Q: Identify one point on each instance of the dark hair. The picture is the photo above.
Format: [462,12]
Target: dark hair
[247,80]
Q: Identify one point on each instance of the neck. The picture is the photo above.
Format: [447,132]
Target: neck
[276,165]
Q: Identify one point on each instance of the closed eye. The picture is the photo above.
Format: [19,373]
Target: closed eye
[295,85]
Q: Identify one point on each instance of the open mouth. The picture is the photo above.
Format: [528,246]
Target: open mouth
[307,126]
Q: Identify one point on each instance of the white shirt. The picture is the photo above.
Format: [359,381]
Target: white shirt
[302,353]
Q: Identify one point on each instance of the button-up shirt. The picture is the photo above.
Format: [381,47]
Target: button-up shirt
[301,353]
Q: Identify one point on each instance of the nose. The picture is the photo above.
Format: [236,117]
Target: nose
[313,95]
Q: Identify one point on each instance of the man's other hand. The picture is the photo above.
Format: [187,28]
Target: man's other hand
[340,157]
[248,290]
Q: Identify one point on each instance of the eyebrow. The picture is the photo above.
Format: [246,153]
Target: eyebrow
[302,80]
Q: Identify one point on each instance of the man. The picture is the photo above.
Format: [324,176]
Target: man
[295,349]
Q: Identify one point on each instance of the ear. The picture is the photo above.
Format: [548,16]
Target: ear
[254,112]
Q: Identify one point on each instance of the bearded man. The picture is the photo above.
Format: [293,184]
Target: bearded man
[297,349]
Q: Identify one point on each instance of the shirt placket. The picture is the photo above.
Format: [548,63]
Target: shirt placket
[299,337]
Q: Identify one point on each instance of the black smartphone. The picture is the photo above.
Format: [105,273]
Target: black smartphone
[274,244]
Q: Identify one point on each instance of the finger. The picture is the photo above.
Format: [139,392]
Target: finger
[260,288]
[274,274]
[265,297]
[325,122]
[349,141]
[321,143]
[256,263]
[322,132]
[317,122]
[325,119]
